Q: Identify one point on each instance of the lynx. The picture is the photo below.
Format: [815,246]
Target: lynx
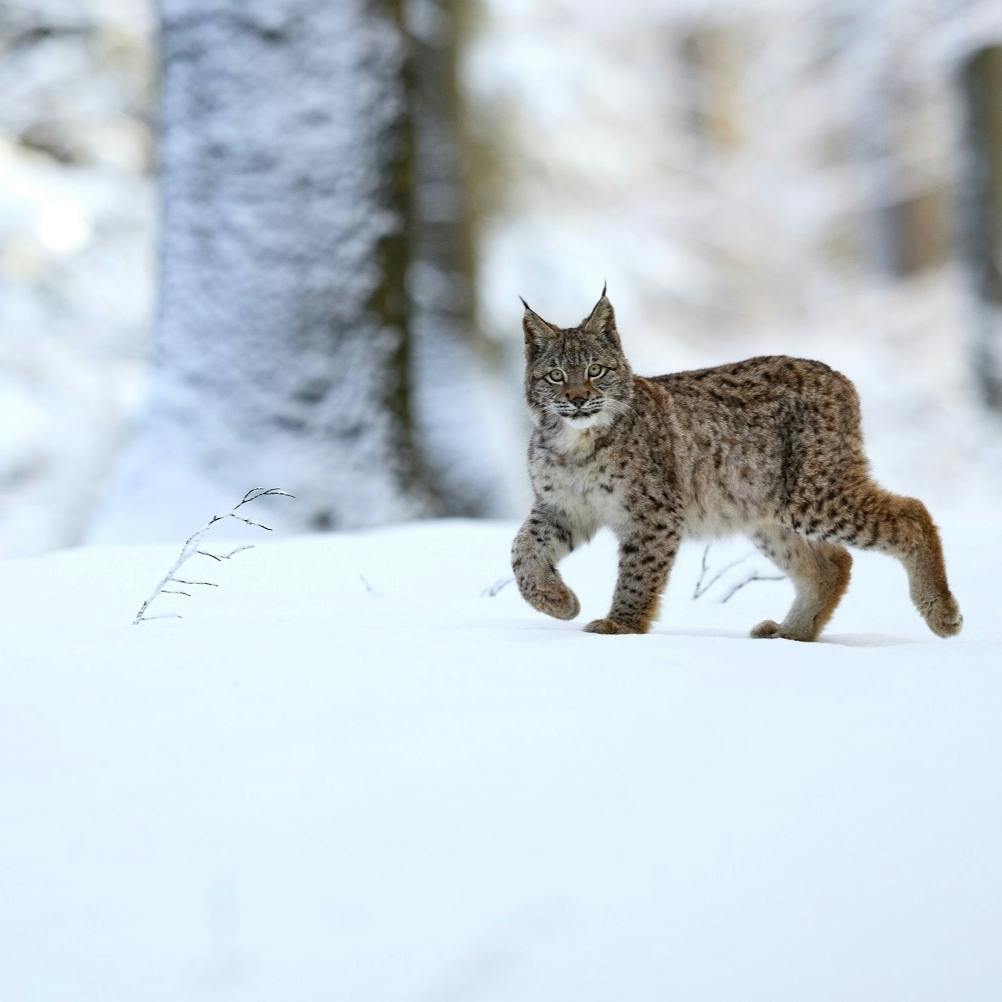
[770,447]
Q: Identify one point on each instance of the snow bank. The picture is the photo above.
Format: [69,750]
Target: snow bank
[348,774]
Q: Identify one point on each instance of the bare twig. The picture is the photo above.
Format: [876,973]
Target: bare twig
[698,590]
[369,588]
[191,549]
[723,570]
[248,521]
[754,575]
[748,579]
[496,587]
[226,556]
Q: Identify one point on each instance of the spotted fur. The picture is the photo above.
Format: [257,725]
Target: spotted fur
[770,447]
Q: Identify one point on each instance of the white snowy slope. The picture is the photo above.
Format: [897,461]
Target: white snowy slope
[319,787]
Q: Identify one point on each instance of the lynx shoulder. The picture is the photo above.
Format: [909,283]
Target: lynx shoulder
[771,447]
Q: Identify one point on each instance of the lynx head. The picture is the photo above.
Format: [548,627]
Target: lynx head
[576,375]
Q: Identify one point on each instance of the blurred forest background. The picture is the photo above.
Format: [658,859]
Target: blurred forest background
[280,243]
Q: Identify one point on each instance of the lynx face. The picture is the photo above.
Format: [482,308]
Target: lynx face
[577,375]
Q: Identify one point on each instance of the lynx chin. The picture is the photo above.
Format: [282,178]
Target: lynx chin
[770,447]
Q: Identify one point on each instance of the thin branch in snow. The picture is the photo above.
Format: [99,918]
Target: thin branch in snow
[225,556]
[248,521]
[748,579]
[701,589]
[703,586]
[191,549]
[260,492]
[698,590]
[496,587]
[369,588]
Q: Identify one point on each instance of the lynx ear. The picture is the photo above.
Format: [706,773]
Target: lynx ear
[537,331]
[602,320]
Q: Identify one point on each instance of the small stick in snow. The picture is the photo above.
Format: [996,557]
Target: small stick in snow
[700,589]
[226,556]
[496,587]
[748,579]
[191,549]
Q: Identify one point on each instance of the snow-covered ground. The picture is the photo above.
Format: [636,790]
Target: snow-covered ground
[349,774]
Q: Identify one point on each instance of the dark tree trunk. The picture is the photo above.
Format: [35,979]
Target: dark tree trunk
[981,214]
[447,358]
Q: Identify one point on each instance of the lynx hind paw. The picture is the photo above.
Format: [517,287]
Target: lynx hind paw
[556,600]
[944,618]
[609,627]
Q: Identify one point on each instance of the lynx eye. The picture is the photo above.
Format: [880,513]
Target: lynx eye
[595,370]
[555,376]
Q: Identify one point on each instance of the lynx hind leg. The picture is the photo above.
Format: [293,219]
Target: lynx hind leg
[820,574]
[926,567]
[875,519]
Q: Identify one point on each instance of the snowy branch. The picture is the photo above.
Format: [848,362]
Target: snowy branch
[191,549]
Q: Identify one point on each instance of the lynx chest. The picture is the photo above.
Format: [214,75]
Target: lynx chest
[586,493]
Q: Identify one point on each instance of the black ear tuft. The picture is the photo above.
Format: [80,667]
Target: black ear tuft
[602,319]
[535,328]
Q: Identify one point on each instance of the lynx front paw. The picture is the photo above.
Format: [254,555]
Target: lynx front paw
[769,629]
[553,598]
[610,626]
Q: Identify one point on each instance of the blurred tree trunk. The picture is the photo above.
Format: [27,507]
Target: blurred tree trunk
[908,223]
[981,214]
[447,360]
[283,340]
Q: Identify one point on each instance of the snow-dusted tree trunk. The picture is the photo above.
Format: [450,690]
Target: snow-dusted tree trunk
[981,225]
[281,344]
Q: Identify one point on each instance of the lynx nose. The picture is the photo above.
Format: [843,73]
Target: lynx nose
[578,401]
[578,395]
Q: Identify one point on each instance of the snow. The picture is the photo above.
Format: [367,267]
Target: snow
[349,773]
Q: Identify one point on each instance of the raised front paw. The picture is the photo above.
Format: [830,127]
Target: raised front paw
[551,597]
[610,626]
